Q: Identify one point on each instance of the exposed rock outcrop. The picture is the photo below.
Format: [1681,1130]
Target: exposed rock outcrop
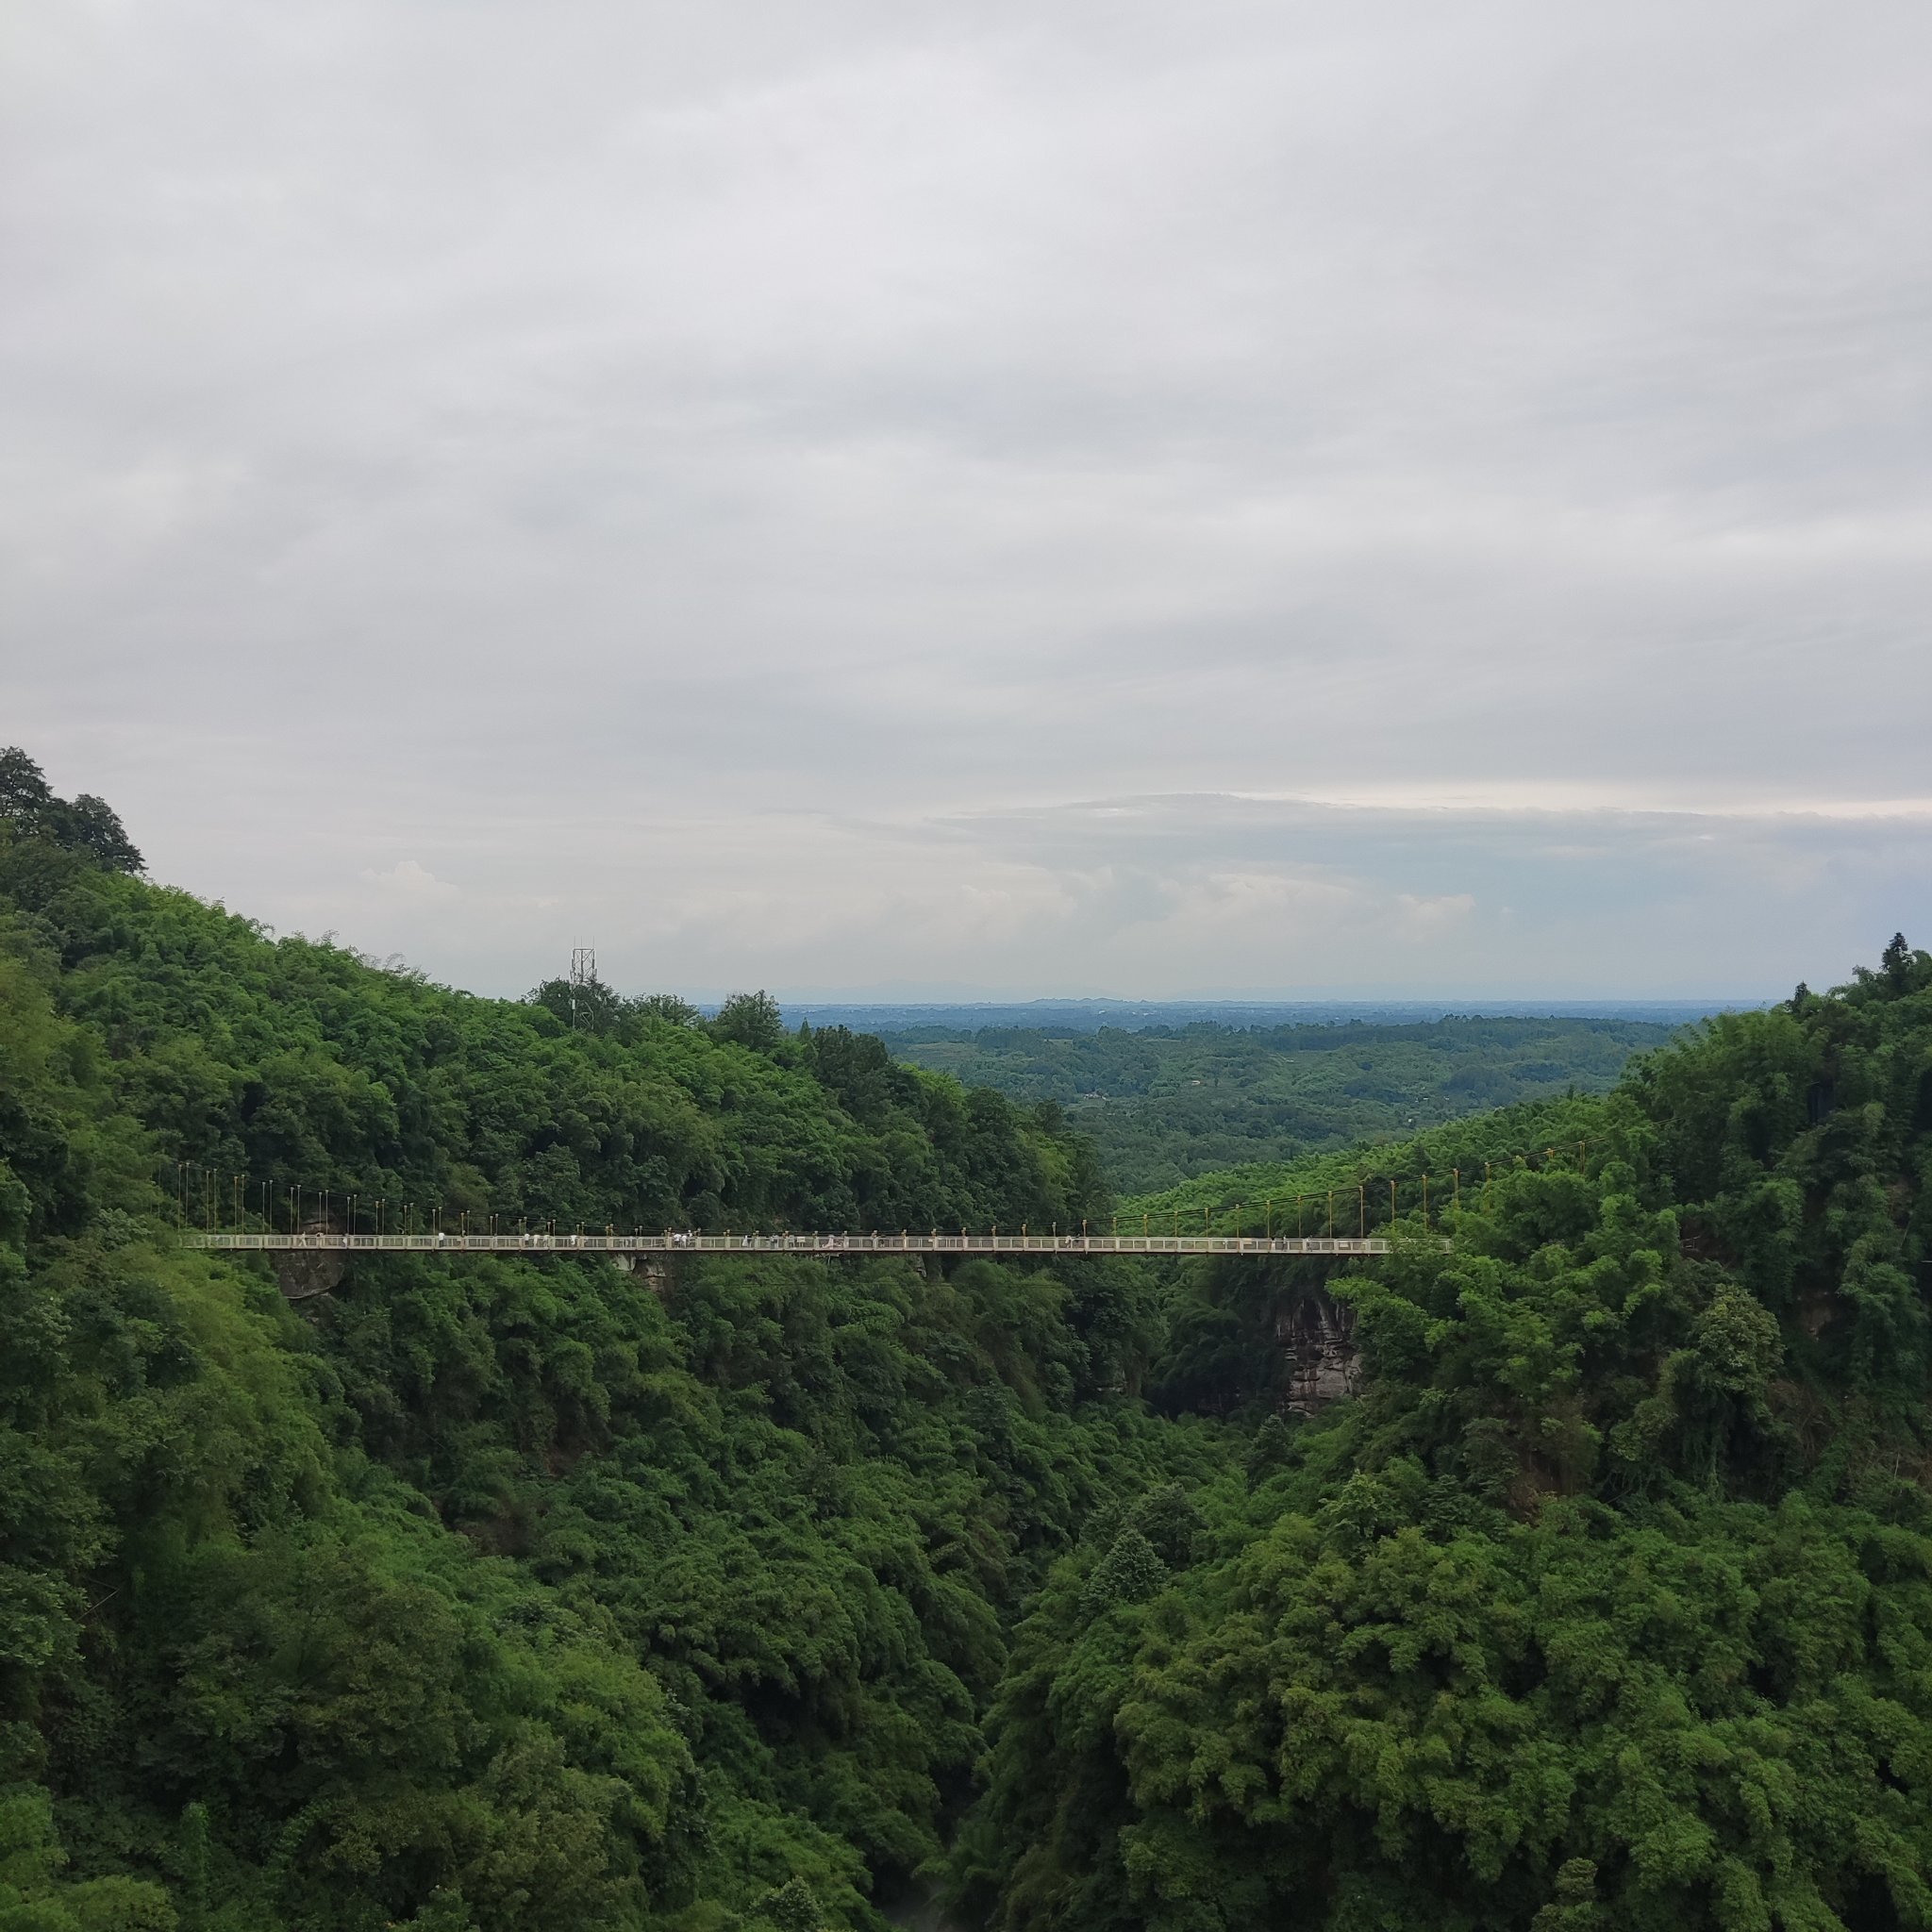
[1317,1334]
[308,1273]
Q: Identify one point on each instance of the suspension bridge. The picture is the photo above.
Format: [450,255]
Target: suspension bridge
[339,1224]
[241,1214]
[623,1247]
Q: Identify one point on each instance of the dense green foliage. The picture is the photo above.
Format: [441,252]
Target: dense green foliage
[292,1062]
[511,1594]
[28,809]
[1608,1603]
[1164,1105]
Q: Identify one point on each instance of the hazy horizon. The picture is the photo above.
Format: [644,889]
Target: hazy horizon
[1386,996]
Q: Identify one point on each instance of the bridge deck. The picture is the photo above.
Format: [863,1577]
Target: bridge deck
[819,1245]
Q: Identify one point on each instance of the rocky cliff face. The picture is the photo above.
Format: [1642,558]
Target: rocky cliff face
[309,1272]
[1317,1334]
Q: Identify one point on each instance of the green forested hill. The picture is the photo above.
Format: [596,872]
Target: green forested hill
[506,1595]
[1164,1105]
[296,1063]
[509,1593]
[1607,1602]
[510,1596]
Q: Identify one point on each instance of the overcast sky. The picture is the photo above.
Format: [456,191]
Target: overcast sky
[1055,498]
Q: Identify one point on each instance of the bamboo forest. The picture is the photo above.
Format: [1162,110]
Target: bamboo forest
[1565,1568]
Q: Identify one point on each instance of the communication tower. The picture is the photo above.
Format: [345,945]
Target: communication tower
[583,974]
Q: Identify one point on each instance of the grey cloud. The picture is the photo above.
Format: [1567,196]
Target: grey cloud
[1173,896]
[743,447]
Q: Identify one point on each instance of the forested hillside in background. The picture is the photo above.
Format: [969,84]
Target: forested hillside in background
[511,1594]
[1163,1105]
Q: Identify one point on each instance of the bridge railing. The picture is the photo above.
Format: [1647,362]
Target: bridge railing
[676,1242]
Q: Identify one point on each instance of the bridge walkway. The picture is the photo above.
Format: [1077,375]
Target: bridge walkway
[824,1245]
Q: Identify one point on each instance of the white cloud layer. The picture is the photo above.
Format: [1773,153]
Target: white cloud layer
[725,485]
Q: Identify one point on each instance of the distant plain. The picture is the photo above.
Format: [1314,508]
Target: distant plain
[1168,1092]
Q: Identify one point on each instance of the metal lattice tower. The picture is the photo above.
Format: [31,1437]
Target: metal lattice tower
[583,974]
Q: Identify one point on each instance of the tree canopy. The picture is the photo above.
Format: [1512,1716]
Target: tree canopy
[1606,1603]
[516,1596]
[84,823]
[1167,1106]
[520,1592]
